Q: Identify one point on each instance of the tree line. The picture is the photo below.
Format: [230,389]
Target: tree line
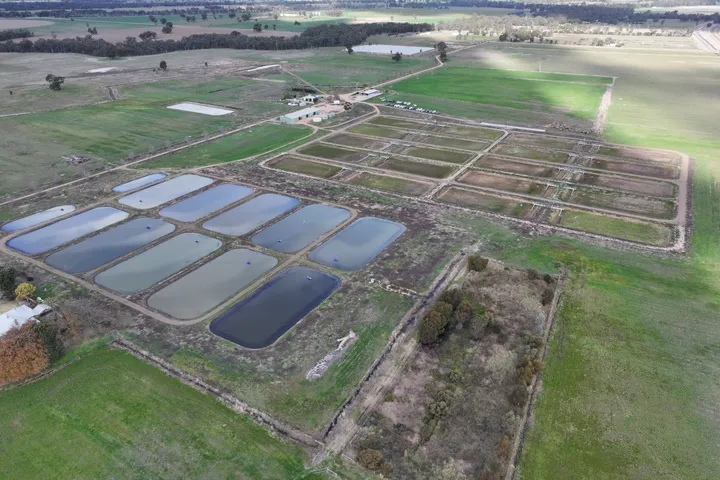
[15,33]
[336,35]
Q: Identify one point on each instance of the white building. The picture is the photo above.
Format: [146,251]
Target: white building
[294,117]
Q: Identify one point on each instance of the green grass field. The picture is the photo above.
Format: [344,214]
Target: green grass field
[33,146]
[629,387]
[112,416]
[237,146]
[574,95]
[391,184]
[651,233]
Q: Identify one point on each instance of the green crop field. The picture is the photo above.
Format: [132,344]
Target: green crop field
[637,231]
[391,184]
[574,95]
[111,415]
[33,145]
[237,146]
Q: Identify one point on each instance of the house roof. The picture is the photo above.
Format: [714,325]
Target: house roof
[19,315]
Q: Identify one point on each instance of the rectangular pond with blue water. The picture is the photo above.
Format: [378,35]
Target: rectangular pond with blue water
[260,319]
[37,218]
[109,245]
[164,192]
[207,287]
[139,182]
[358,244]
[300,229]
[157,263]
[63,231]
[247,217]
[205,203]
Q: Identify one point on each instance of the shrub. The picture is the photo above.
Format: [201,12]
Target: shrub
[547,296]
[476,263]
[24,291]
[518,396]
[22,353]
[48,335]
[370,459]
[7,281]
[431,327]
[444,309]
[451,296]
[505,448]
[463,312]
[438,409]
[386,468]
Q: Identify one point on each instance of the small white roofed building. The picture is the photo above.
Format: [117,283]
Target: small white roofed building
[295,117]
[19,315]
[310,98]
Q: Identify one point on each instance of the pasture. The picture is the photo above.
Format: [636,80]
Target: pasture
[572,95]
[110,413]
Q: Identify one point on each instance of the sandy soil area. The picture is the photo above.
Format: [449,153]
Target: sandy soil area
[6,23]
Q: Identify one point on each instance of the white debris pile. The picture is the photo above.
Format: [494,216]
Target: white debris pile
[76,159]
[322,366]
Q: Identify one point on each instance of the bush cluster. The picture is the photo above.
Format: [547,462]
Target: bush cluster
[476,263]
[8,281]
[373,460]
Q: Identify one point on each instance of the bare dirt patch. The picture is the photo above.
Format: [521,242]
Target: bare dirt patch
[502,182]
[646,187]
[505,165]
[634,168]
[621,202]
[482,201]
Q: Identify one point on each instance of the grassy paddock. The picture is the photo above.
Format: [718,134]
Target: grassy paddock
[108,416]
[573,95]
[627,229]
[391,184]
[237,146]
[416,168]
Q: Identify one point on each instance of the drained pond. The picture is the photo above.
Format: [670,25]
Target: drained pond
[157,263]
[63,231]
[37,218]
[358,244]
[251,214]
[207,287]
[205,203]
[263,317]
[300,229]
[109,245]
[164,192]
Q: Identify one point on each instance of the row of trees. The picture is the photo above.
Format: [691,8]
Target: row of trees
[314,37]
[15,33]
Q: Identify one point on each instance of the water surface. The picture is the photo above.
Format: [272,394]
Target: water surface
[164,192]
[157,263]
[358,244]
[37,218]
[63,231]
[109,245]
[247,217]
[205,203]
[207,287]
[139,182]
[300,229]
[263,317]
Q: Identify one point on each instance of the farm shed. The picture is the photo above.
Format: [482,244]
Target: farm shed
[300,115]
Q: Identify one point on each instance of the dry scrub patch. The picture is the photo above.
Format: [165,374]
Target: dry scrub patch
[502,182]
[482,201]
[459,401]
[509,166]
[657,171]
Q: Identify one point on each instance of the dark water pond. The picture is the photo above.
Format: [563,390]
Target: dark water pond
[205,203]
[109,245]
[358,244]
[157,263]
[300,229]
[263,317]
[63,231]
[37,218]
[139,182]
[207,287]
[247,217]
[164,192]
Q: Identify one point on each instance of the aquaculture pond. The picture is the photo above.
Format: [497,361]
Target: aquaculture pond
[164,192]
[139,182]
[263,317]
[109,245]
[251,214]
[356,245]
[157,263]
[37,218]
[205,203]
[207,287]
[63,231]
[300,229]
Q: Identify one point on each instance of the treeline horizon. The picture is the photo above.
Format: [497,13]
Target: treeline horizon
[325,35]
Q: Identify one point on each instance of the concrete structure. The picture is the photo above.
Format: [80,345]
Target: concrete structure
[294,117]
